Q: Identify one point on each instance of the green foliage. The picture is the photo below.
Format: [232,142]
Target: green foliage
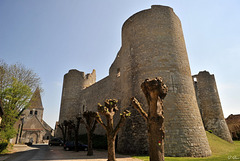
[7,133]
[221,151]
[15,98]
[3,146]
[210,131]
[128,114]
[16,86]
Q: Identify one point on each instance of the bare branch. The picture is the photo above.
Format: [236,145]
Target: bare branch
[99,120]
[138,107]
[121,122]
[103,110]
[94,125]
[83,122]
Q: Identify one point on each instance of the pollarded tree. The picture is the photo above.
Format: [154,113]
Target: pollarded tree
[109,110]
[90,123]
[63,127]
[155,91]
[72,125]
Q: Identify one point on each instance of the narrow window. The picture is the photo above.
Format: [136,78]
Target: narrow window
[35,113]
[31,112]
[195,79]
[118,72]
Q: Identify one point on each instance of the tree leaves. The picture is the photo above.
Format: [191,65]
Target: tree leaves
[16,86]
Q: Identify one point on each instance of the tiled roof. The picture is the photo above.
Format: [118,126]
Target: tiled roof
[233,122]
[233,119]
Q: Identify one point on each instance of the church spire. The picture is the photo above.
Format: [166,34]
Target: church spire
[36,101]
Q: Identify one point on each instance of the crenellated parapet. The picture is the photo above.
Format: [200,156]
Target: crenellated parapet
[74,82]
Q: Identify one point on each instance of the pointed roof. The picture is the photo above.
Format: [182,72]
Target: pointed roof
[36,101]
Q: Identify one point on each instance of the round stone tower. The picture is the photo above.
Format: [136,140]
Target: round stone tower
[210,105]
[74,82]
[152,46]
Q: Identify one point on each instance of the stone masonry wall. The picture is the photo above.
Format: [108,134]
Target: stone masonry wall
[210,105]
[73,84]
[152,46]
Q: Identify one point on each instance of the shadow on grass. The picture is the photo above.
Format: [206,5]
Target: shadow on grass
[221,151]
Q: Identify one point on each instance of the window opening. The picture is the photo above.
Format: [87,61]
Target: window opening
[118,72]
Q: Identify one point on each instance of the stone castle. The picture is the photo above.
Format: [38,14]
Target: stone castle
[152,45]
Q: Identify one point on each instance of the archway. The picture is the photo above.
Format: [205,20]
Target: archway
[34,138]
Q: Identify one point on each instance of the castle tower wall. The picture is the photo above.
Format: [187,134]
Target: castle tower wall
[210,105]
[74,82]
[153,45]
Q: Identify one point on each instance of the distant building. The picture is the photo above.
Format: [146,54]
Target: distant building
[1,112]
[233,122]
[31,127]
[56,129]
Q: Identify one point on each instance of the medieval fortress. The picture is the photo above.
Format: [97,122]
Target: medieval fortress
[152,45]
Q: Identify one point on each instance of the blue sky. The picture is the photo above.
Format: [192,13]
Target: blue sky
[54,36]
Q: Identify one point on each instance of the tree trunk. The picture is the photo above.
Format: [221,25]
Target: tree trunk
[156,130]
[156,141]
[76,140]
[108,111]
[111,148]
[90,147]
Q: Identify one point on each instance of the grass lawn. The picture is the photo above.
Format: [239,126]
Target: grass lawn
[221,151]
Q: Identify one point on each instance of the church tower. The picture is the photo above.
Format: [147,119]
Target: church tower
[36,107]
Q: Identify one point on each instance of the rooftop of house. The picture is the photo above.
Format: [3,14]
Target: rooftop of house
[233,119]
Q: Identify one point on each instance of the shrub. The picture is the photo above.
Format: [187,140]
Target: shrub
[3,146]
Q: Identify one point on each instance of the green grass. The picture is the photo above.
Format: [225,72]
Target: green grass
[221,151]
